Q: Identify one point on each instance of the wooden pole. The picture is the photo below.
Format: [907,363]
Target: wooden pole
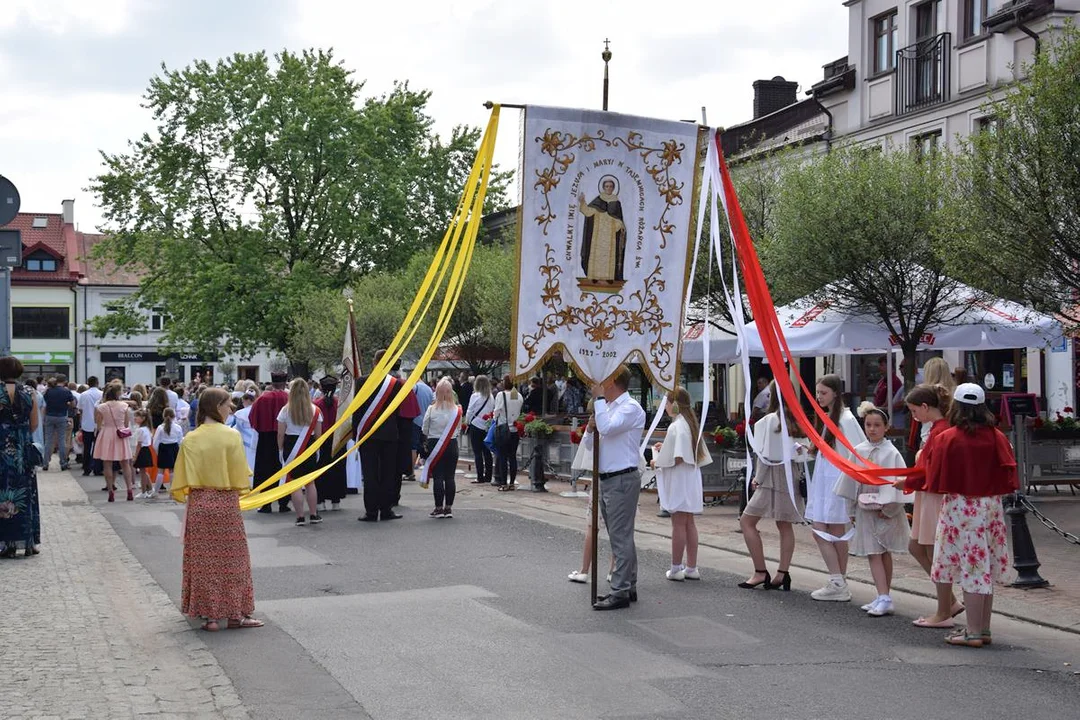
[594,489]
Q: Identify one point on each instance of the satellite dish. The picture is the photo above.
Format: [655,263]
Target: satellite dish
[9,201]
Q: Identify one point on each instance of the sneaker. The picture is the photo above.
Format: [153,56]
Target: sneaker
[141,496]
[448,513]
[315,519]
[832,593]
[867,606]
[692,573]
[151,495]
[578,577]
[300,522]
[881,607]
[678,575]
[436,513]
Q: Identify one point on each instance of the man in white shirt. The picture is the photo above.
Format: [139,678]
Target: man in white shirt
[166,383]
[762,399]
[621,422]
[86,404]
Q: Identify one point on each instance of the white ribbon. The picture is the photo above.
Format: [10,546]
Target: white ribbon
[373,407]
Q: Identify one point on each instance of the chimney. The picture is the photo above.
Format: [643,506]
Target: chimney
[771,95]
[69,211]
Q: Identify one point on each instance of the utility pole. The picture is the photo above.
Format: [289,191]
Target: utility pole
[10,257]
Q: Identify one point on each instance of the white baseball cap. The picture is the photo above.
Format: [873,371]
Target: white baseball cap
[969,394]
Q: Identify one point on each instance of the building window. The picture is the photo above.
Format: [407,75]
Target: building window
[40,222]
[987,124]
[39,262]
[157,319]
[40,323]
[247,372]
[975,12]
[886,37]
[115,372]
[926,143]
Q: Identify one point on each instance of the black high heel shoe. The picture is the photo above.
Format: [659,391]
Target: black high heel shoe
[784,585]
[751,586]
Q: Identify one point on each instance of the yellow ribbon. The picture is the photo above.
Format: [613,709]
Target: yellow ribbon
[448,253]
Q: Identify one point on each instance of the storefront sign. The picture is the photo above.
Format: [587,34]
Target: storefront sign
[152,356]
[46,358]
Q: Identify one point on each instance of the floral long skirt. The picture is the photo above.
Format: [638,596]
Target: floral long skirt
[971,547]
[217,566]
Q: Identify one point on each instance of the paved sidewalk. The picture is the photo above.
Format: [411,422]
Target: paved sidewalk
[88,634]
[1057,606]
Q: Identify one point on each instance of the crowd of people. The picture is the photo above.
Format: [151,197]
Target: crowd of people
[208,442]
[956,532]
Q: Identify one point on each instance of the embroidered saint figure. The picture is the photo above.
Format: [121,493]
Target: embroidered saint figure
[603,242]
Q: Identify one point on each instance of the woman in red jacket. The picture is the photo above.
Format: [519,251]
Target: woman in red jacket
[973,466]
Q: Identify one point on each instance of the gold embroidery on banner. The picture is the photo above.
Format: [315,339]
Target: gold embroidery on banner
[602,316]
[557,144]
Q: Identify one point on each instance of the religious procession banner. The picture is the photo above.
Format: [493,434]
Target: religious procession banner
[605,241]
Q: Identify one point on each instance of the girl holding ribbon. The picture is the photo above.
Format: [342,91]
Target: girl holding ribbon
[827,511]
[881,526]
[298,423]
[440,429]
[773,496]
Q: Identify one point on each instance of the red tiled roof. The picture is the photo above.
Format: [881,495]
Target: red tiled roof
[58,238]
[98,272]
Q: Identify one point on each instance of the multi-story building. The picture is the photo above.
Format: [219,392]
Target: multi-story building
[919,74]
[43,292]
[60,287]
[138,358]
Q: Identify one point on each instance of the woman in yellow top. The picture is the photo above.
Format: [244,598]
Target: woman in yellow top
[211,471]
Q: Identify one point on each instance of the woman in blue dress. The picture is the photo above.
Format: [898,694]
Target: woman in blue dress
[20,518]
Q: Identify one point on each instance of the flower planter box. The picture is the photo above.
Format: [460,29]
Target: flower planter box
[1045,435]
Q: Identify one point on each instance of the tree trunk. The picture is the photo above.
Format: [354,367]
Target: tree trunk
[910,364]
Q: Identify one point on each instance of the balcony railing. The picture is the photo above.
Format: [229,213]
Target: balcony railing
[922,74]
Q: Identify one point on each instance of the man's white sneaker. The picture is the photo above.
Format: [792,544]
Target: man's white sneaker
[832,593]
[140,496]
[151,495]
[676,575]
[692,573]
[881,607]
[578,577]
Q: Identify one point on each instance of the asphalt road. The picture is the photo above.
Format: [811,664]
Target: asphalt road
[473,618]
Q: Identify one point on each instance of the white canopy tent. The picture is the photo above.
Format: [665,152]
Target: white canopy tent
[814,328]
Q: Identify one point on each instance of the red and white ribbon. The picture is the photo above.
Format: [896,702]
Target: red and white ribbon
[375,407]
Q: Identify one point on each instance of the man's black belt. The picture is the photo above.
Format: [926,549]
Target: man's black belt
[605,476]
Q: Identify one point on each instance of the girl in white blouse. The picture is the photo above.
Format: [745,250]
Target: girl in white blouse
[828,512]
[477,418]
[508,404]
[441,422]
[773,497]
[679,460]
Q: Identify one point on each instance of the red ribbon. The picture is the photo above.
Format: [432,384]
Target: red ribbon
[779,354]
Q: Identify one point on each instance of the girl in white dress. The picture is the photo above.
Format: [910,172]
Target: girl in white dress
[679,460]
[827,512]
[881,526]
[773,497]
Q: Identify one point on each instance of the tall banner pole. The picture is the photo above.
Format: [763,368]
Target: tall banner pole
[595,488]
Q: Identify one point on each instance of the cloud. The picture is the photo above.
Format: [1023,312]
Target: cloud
[74,70]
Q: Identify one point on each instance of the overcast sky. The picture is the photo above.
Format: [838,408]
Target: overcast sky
[73,71]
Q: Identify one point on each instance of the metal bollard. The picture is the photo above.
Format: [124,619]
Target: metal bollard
[1025,561]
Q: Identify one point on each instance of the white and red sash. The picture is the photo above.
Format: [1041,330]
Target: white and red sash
[440,447]
[301,443]
[375,407]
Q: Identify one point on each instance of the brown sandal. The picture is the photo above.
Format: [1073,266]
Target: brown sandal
[211,626]
[963,639]
[245,622]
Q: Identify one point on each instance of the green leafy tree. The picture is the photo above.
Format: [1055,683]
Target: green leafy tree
[1020,213]
[864,231]
[268,181]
